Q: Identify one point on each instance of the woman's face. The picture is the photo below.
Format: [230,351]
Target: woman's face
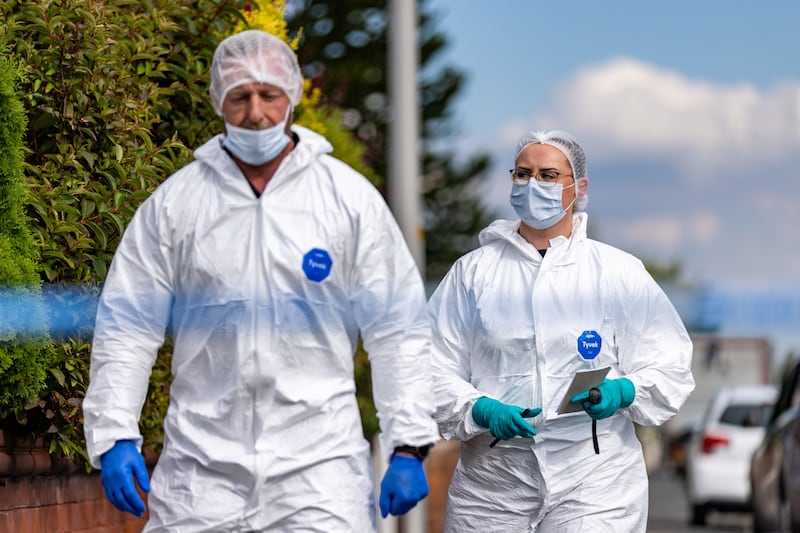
[549,164]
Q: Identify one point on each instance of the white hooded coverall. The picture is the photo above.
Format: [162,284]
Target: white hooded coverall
[506,324]
[265,297]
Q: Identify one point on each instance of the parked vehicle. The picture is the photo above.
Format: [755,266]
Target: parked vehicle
[719,451]
[775,467]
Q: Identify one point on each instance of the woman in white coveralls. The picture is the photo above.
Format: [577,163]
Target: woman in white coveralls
[268,257]
[513,321]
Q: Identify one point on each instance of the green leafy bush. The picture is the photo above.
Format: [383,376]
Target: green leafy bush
[109,88]
[116,100]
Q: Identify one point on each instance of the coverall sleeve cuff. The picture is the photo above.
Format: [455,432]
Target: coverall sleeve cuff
[471,428]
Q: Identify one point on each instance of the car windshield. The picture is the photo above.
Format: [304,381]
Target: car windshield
[746,415]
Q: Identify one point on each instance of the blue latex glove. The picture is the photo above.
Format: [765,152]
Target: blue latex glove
[403,485]
[614,394]
[118,467]
[504,421]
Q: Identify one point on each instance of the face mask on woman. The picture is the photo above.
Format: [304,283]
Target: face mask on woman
[256,147]
[539,207]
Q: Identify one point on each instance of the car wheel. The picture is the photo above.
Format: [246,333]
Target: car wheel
[699,515]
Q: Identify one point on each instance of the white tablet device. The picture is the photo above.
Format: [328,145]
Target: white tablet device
[583,380]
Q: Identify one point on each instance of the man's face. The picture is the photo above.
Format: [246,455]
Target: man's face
[255,106]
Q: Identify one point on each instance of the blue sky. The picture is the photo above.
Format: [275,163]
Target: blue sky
[689,113]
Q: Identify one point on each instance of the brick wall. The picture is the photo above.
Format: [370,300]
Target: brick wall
[37,496]
[439,468]
[60,503]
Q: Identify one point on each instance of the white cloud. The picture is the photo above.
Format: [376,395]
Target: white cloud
[706,227]
[625,108]
[668,232]
[661,232]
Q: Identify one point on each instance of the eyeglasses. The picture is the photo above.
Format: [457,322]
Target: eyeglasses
[547,178]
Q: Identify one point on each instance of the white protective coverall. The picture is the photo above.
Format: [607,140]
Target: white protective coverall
[265,297]
[506,322]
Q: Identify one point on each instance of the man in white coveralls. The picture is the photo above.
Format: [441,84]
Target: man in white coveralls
[268,257]
[513,321]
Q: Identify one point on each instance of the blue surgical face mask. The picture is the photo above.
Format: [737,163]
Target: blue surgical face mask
[256,147]
[539,207]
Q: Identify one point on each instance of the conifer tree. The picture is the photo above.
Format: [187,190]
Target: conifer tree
[25,348]
[343,51]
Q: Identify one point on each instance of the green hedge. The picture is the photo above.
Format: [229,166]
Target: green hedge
[116,100]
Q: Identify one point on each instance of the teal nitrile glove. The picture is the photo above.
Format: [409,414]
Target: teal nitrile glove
[614,394]
[504,421]
[403,485]
[118,467]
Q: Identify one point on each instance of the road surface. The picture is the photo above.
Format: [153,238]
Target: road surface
[669,510]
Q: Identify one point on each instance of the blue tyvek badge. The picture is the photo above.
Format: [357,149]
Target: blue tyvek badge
[589,344]
[317,264]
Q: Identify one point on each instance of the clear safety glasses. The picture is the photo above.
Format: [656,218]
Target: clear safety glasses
[546,178]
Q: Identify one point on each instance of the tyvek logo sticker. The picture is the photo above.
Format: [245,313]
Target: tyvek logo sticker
[589,344]
[317,264]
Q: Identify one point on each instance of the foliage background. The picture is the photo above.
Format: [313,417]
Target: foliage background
[116,99]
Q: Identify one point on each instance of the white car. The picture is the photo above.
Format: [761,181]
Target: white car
[719,452]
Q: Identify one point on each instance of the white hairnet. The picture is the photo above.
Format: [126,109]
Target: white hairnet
[567,145]
[254,56]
